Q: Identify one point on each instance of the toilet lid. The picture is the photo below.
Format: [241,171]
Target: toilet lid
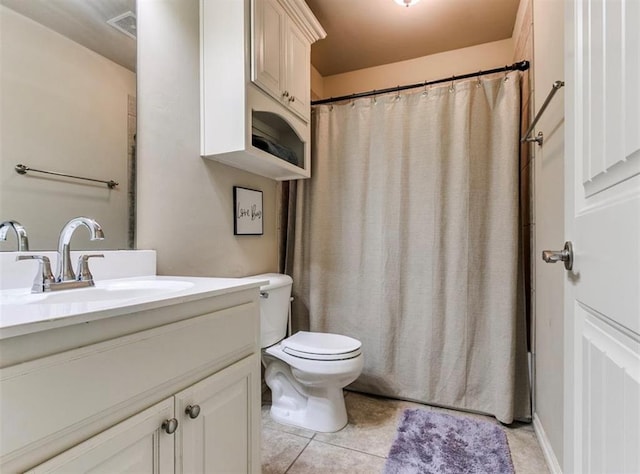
[321,346]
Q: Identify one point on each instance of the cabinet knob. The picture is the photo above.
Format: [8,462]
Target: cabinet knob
[170,426]
[193,411]
[285,94]
[292,99]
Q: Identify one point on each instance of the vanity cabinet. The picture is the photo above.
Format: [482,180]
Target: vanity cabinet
[215,438]
[281,57]
[255,85]
[127,403]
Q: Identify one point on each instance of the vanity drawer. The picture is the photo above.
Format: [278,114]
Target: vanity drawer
[62,399]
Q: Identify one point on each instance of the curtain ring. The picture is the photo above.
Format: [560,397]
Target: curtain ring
[478,81]
[398,92]
[451,87]
[425,92]
[331,108]
[375,97]
[506,71]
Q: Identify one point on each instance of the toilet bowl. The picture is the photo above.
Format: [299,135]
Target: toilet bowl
[307,371]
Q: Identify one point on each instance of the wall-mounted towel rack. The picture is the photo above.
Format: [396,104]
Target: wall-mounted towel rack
[22,169]
[540,137]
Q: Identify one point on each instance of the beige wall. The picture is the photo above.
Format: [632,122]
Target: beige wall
[435,66]
[549,221]
[63,108]
[317,84]
[185,202]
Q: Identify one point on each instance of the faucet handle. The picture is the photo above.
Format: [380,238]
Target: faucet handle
[44,277]
[84,274]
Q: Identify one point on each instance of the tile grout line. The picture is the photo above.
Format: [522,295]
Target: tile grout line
[299,454]
[351,449]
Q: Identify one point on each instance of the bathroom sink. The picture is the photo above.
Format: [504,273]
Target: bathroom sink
[103,291]
[116,290]
[23,312]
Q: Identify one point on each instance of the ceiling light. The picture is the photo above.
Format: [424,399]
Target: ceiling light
[406,3]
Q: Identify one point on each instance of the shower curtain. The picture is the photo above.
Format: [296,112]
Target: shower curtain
[406,238]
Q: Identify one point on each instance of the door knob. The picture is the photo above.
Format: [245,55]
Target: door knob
[565,255]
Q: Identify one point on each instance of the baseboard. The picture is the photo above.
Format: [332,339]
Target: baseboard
[545,445]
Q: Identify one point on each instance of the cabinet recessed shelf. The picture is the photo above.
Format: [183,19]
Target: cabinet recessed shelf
[272,134]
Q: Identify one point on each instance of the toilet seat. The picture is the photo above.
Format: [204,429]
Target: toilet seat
[321,346]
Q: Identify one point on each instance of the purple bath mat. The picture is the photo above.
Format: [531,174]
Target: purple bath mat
[429,442]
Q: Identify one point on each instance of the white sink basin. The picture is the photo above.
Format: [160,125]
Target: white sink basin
[117,290]
[103,291]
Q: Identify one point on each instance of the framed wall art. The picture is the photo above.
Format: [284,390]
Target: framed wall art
[247,211]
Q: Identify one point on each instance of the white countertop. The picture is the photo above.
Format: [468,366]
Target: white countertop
[19,318]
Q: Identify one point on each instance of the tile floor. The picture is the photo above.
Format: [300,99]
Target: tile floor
[362,446]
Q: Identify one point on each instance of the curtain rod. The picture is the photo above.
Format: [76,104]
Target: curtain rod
[519,66]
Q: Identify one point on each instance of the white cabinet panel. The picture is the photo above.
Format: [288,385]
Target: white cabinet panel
[137,445]
[221,438]
[268,42]
[298,59]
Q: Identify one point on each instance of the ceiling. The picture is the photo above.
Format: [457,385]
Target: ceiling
[367,33]
[84,22]
[360,33]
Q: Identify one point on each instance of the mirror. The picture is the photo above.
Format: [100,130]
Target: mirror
[68,88]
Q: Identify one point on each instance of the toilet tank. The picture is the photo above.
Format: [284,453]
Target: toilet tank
[274,307]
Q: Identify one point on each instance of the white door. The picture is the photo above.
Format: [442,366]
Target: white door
[219,429]
[602,209]
[138,445]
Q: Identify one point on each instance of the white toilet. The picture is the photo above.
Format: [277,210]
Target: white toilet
[307,371]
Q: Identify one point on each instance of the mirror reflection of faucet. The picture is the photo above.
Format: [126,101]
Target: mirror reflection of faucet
[21,234]
[65,278]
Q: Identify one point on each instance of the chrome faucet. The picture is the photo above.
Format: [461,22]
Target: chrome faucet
[21,234]
[65,278]
[65,271]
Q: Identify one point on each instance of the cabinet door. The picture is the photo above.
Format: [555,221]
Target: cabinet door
[137,445]
[268,46]
[224,436]
[298,60]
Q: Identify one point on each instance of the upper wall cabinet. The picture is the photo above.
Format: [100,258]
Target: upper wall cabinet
[281,57]
[255,85]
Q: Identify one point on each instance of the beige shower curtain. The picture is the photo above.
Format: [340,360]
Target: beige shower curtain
[406,238]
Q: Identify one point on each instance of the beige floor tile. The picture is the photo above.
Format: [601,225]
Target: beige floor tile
[321,458]
[372,425]
[279,450]
[267,422]
[525,451]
